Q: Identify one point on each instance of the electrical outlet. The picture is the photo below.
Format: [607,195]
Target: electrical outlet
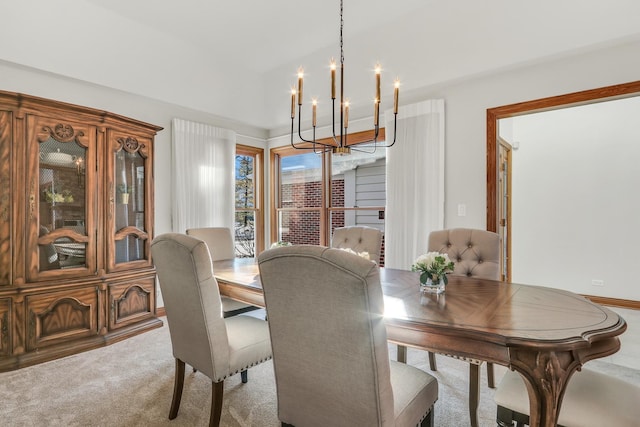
[597,282]
[462,209]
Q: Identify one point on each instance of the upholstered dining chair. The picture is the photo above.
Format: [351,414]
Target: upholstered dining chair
[200,335]
[475,253]
[221,247]
[591,399]
[359,239]
[329,340]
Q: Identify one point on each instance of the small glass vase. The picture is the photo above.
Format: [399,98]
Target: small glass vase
[431,287]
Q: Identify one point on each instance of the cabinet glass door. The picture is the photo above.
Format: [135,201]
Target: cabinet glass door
[129,205]
[130,164]
[60,207]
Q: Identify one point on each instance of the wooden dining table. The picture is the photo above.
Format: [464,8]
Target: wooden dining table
[543,333]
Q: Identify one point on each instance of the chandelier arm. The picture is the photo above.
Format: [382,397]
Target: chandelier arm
[302,139]
[299,125]
[324,150]
[360,150]
[395,128]
[313,142]
[375,138]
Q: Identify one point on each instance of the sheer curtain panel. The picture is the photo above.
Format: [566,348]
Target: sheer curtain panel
[415,181]
[203,183]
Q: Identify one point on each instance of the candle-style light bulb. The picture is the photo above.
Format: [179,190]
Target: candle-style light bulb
[395,96]
[293,103]
[378,72]
[346,114]
[376,111]
[300,77]
[332,66]
[314,105]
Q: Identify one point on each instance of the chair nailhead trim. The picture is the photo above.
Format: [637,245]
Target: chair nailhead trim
[245,368]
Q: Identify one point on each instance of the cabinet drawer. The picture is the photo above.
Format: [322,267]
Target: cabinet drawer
[5,326]
[57,317]
[131,302]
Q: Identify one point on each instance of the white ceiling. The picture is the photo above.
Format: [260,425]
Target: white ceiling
[237,59]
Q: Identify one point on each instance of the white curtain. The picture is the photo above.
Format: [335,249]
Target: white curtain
[203,170]
[415,181]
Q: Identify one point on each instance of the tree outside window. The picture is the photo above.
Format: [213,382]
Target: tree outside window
[248,223]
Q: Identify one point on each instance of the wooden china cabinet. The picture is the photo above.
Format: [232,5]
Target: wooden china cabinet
[76,223]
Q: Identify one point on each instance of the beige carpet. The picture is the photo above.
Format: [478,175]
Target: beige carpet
[130,384]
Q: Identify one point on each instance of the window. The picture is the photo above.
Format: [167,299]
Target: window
[249,224]
[315,193]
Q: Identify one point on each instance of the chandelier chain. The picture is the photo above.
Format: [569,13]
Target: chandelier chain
[341,41]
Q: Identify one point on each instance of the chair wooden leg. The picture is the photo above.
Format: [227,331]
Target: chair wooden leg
[428,421]
[178,383]
[244,376]
[474,393]
[217,390]
[490,376]
[402,354]
[432,362]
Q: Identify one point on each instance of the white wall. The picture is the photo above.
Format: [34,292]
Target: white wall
[575,198]
[26,80]
[466,103]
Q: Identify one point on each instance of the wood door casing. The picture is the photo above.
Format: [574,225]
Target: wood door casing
[504,203]
[494,114]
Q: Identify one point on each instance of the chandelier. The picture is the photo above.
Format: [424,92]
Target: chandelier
[339,145]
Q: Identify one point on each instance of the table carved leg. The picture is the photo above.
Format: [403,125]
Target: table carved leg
[546,374]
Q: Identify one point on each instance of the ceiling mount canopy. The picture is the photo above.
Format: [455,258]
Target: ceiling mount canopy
[338,143]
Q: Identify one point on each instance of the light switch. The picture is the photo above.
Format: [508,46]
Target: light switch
[462,209]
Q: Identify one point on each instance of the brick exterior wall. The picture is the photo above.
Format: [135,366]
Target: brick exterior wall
[303,227]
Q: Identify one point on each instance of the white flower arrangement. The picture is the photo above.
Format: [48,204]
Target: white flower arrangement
[434,266]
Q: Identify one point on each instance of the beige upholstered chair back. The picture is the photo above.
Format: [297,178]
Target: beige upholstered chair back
[329,342]
[192,302]
[218,239]
[359,239]
[476,253]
